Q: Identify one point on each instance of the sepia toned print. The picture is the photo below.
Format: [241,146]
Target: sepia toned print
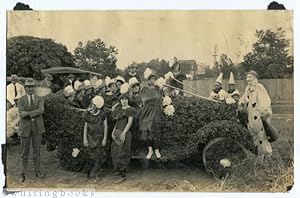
[194,101]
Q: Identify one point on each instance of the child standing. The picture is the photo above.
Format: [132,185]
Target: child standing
[150,115]
[95,136]
[121,135]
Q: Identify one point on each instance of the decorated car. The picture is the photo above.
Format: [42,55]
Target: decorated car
[191,126]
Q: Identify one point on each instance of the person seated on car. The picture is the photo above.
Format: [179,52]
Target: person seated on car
[99,88]
[69,94]
[80,93]
[218,93]
[120,81]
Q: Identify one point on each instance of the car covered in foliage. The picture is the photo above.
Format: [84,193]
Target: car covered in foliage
[208,129]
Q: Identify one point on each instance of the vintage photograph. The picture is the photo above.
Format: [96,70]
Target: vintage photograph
[150,101]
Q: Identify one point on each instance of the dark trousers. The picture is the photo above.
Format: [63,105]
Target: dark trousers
[36,141]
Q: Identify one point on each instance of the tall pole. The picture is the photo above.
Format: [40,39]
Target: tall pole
[215,55]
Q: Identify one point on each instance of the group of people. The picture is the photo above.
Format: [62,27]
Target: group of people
[118,110]
[115,112]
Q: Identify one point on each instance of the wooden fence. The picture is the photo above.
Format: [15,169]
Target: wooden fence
[278,89]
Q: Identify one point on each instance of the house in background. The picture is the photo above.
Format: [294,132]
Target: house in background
[189,67]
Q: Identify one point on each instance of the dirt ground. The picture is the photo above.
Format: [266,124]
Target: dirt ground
[155,178]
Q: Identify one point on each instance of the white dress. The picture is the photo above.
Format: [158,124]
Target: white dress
[258,101]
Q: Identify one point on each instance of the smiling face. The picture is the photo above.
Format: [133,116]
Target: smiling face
[250,79]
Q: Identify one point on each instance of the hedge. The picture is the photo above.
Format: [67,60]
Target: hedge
[194,122]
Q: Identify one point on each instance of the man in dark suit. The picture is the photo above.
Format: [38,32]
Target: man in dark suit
[31,109]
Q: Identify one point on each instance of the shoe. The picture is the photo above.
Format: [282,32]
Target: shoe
[157,153]
[150,153]
[22,178]
[120,180]
[39,175]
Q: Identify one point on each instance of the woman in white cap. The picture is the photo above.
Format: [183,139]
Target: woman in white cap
[88,94]
[69,94]
[99,88]
[150,115]
[95,137]
[120,81]
[112,96]
[121,135]
[80,92]
[135,87]
[258,103]
[218,93]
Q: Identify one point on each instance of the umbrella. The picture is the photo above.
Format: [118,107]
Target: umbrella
[66,70]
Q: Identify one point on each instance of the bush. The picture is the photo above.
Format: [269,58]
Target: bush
[195,121]
[64,128]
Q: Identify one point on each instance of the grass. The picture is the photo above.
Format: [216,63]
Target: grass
[273,174]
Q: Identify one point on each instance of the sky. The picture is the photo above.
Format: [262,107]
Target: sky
[143,35]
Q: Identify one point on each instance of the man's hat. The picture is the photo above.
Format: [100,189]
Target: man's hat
[29,82]
[14,77]
[253,73]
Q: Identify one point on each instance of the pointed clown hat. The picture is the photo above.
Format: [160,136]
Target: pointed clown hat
[231,79]
[220,78]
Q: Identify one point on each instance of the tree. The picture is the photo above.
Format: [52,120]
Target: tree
[270,55]
[226,66]
[96,57]
[27,55]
